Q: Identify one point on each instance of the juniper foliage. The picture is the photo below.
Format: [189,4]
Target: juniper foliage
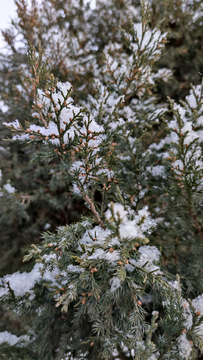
[107,286]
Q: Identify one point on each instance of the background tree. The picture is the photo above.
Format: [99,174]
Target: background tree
[183,52]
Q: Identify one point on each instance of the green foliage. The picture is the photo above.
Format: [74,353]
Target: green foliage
[113,177]
[183,52]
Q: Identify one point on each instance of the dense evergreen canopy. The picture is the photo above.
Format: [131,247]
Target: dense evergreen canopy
[101,181]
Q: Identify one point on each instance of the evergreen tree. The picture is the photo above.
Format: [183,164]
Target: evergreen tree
[183,52]
[73,37]
[106,285]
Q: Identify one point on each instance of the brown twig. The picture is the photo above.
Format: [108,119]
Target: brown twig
[42,119]
[26,198]
[194,217]
[92,207]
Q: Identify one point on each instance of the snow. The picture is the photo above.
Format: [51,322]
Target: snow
[191,99]
[11,339]
[47,226]
[131,224]
[157,170]
[164,74]
[96,233]
[55,126]
[149,254]
[111,257]
[10,189]
[146,223]
[119,213]
[51,129]
[14,124]
[21,283]
[3,107]
[64,88]
[175,285]
[154,356]
[137,231]
[197,15]
[148,39]
[114,241]
[190,127]
[115,283]
[74,269]
[198,305]
[98,241]
[187,315]
[128,228]
[21,137]
[184,346]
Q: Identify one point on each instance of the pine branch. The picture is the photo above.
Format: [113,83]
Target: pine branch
[95,213]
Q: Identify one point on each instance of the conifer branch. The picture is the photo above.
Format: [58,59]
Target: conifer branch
[94,211]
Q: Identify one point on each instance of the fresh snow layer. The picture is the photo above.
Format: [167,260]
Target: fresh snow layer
[115,283]
[21,283]
[131,226]
[11,339]
[184,346]
[10,189]
[148,255]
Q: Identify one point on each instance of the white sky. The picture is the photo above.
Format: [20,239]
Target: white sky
[7,11]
